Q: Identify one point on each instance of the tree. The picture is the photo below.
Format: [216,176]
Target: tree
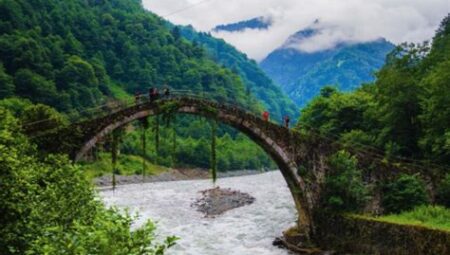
[435,140]
[35,87]
[6,83]
[77,73]
[48,207]
[42,117]
[404,193]
[344,187]
[397,96]
[443,192]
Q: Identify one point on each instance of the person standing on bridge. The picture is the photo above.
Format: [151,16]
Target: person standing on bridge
[286,121]
[150,94]
[166,92]
[153,94]
[265,116]
[137,96]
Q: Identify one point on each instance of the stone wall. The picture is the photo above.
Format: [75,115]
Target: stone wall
[358,235]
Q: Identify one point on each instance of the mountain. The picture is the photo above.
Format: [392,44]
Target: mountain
[256,81]
[302,74]
[76,55]
[255,23]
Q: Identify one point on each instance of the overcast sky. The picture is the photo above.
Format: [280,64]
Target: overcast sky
[340,20]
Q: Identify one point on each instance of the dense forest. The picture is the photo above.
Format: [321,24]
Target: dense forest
[404,112]
[404,115]
[75,55]
[302,74]
[256,81]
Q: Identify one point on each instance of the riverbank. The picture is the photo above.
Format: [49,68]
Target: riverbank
[168,176]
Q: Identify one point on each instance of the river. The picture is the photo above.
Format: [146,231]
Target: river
[247,230]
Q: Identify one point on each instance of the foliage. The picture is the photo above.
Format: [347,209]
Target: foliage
[41,117]
[404,193]
[344,187]
[6,83]
[193,147]
[404,113]
[302,74]
[126,165]
[75,55]
[48,207]
[428,216]
[71,54]
[443,192]
[257,83]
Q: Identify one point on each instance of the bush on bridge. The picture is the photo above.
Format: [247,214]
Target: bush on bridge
[48,207]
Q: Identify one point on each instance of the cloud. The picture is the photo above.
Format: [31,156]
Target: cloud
[340,20]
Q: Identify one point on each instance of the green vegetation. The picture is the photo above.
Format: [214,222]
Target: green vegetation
[302,74]
[443,192]
[427,216]
[126,165]
[192,147]
[257,83]
[74,55]
[404,113]
[49,207]
[404,193]
[344,188]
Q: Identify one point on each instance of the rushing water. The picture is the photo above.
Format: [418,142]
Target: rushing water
[242,231]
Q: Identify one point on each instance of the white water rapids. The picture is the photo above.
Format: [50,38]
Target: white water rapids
[247,230]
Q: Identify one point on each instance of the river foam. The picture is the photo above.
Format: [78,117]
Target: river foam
[247,230]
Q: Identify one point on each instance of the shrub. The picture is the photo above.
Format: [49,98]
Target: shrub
[344,187]
[404,193]
[443,192]
[48,207]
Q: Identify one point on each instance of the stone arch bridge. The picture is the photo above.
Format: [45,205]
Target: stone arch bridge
[301,159]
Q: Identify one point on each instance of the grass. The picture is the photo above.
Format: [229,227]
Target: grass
[119,93]
[435,217]
[126,165]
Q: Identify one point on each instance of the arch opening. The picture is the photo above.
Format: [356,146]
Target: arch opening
[254,128]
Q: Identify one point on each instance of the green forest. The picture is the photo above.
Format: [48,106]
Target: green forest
[60,58]
[405,117]
[76,55]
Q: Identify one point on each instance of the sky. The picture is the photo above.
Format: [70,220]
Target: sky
[339,20]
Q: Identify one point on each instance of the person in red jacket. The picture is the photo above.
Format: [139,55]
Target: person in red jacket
[265,115]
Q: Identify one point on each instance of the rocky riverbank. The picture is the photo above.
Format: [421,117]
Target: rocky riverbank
[172,175]
[216,201]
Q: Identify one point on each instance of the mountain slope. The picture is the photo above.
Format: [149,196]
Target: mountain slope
[302,74]
[256,81]
[78,54]
[75,54]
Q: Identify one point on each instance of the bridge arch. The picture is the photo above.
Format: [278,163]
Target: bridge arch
[272,138]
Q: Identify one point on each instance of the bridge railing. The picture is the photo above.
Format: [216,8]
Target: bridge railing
[113,106]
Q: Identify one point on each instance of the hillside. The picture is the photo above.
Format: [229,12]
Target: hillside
[73,55]
[302,74]
[404,113]
[256,81]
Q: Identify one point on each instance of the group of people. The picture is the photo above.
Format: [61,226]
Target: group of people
[153,94]
[286,119]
